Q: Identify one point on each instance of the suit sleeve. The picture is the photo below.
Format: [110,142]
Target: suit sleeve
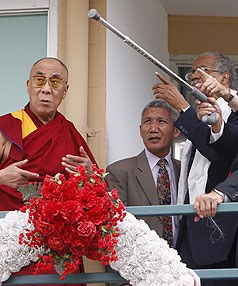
[117,179]
[197,132]
[226,145]
[230,186]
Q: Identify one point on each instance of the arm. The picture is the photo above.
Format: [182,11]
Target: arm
[226,145]
[188,123]
[197,132]
[117,179]
[224,136]
[206,205]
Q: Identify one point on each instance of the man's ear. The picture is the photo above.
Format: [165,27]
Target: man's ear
[225,79]
[177,132]
[66,90]
[28,85]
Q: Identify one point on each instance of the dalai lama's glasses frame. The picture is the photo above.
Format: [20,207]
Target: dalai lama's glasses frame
[40,81]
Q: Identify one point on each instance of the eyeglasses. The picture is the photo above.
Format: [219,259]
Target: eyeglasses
[188,76]
[40,81]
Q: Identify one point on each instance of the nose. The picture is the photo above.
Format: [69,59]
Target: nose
[46,88]
[154,127]
[195,74]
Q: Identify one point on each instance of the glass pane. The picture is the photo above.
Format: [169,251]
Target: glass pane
[23,41]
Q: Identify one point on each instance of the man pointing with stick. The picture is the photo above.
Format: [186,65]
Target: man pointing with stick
[202,169]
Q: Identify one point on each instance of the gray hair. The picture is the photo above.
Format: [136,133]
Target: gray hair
[163,104]
[224,64]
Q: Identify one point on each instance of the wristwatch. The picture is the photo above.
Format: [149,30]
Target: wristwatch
[219,193]
[233,93]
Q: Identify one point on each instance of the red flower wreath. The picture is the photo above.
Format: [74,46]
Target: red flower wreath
[74,218]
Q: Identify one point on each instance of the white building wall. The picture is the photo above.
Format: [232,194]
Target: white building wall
[129,75]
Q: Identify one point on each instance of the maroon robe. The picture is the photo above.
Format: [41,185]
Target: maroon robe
[43,146]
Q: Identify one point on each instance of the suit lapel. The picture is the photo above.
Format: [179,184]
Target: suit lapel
[145,178]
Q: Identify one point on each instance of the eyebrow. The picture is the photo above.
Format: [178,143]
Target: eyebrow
[52,75]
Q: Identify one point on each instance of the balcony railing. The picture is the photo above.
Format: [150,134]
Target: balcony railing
[91,278]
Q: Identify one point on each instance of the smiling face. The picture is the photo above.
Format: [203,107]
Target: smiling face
[157,130]
[45,100]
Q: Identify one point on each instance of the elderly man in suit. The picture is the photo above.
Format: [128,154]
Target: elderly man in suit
[224,139]
[205,243]
[135,178]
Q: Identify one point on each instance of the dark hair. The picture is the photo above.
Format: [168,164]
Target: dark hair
[224,64]
[163,104]
[51,58]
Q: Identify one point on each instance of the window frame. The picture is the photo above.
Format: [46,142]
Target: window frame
[16,7]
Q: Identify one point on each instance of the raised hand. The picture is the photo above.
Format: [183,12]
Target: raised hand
[169,92]
[206,108]
[13,176]
[71,162]
[211,86]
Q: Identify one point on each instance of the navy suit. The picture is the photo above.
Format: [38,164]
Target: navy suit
[227,147]
[198,246]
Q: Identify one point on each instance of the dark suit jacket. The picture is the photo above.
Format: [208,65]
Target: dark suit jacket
[133,179]
[227,147]
[230,185]
[204,249]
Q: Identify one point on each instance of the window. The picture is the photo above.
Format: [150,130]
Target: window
[28,31]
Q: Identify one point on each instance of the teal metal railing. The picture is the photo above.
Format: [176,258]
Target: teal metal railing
[90,278]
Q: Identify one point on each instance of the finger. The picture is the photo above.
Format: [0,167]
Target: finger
[20,163]
[212,100]
[213,208]
[70,171]
[73,160]
[208,208]
[197,207]
[28,174]
[197,101]
[82,152]
[163,79]
[196,218]
[71,166]
[203,74]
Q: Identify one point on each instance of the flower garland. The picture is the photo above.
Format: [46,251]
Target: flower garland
[80,217]
[14,256]
[146,259]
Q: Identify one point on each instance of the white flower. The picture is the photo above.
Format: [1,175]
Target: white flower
[146,259]
[14,256]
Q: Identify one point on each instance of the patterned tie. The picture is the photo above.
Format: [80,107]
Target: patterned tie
[164,197]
